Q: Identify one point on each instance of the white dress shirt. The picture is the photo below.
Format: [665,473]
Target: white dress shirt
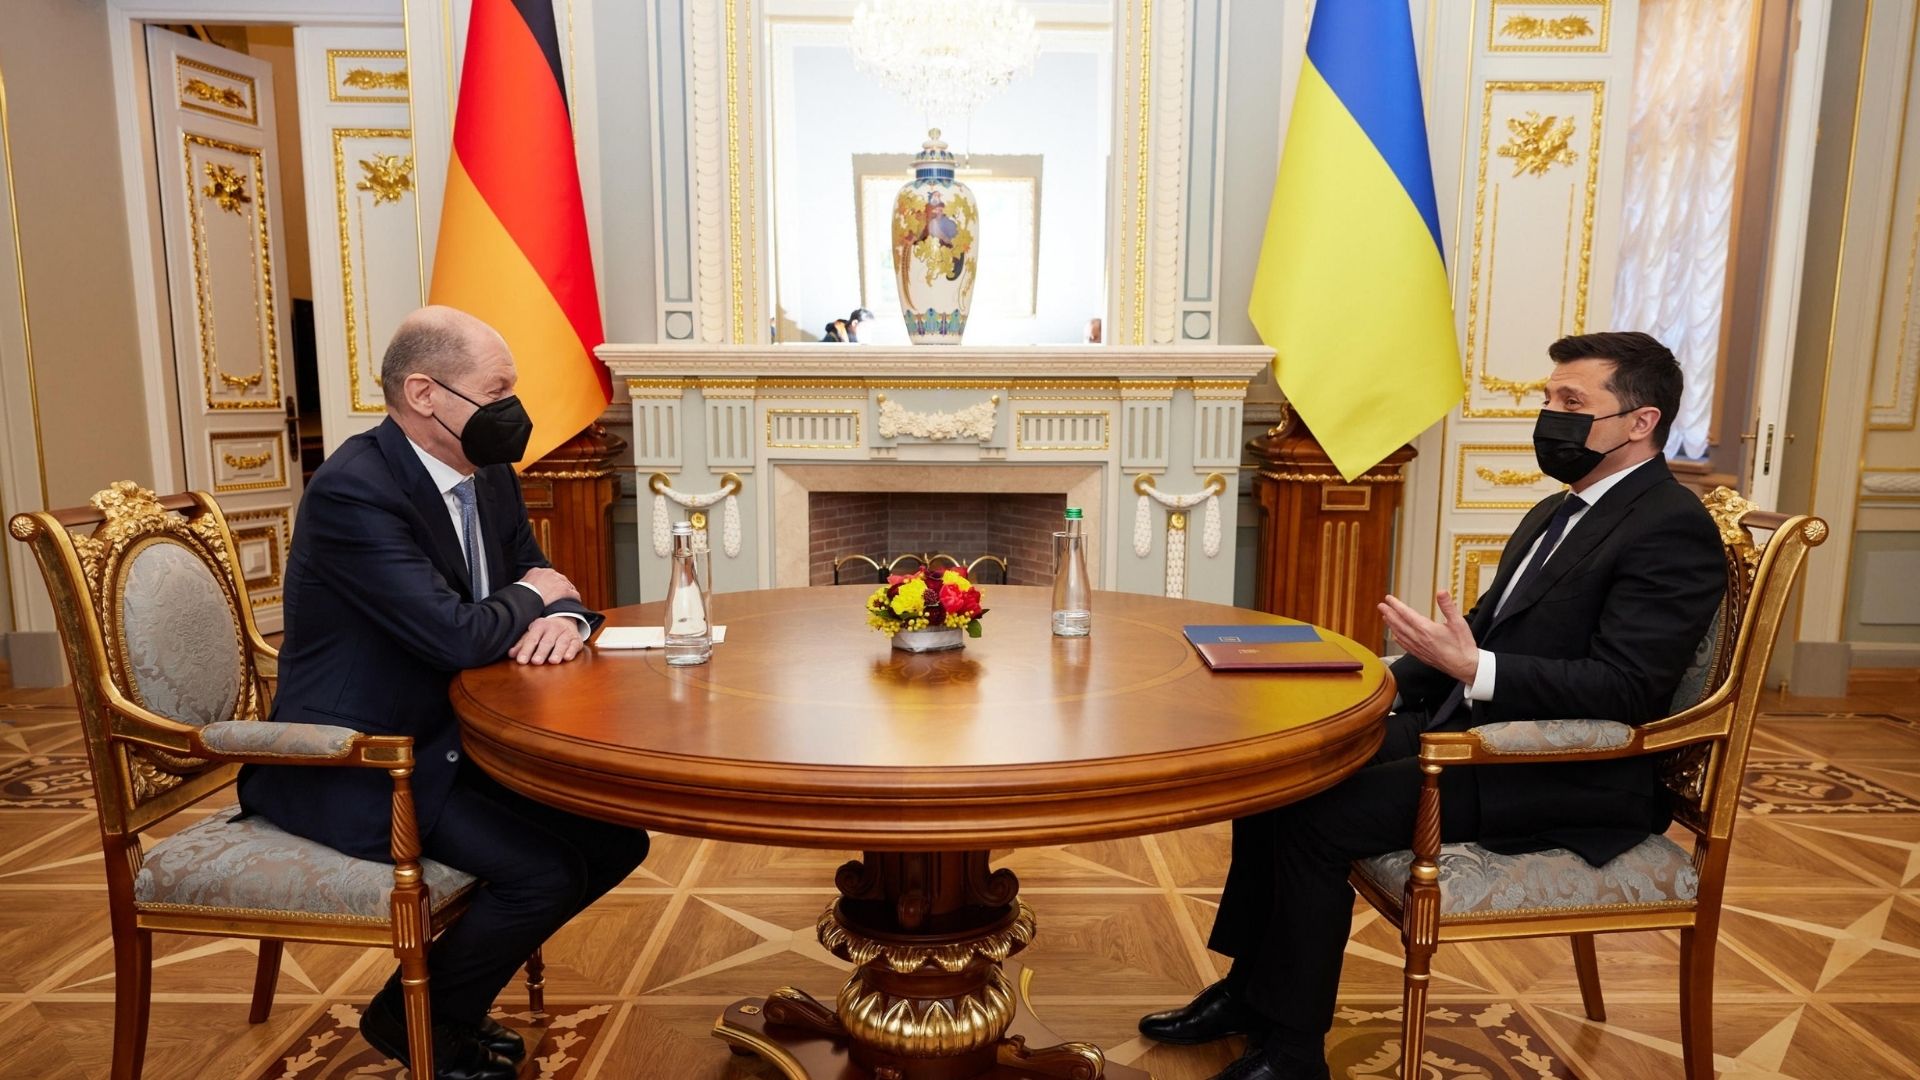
[445,478]
[1481,689]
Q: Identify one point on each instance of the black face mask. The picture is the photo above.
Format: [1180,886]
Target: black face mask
[1560,444]
[496,434]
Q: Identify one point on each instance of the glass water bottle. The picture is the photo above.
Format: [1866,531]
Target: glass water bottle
[689,634]
[1072,594]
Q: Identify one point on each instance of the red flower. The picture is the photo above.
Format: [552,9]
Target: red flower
[958,601]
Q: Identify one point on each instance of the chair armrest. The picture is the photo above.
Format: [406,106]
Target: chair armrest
[266,739]
[1532,742]
[267,662]
[140,726]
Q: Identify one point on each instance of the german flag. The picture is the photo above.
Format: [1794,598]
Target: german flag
[513,230]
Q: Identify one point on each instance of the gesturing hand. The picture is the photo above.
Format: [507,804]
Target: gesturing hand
[1444,644]
[554,639]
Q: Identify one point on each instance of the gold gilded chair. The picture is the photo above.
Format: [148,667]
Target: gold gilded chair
[1439,893]
[173,683]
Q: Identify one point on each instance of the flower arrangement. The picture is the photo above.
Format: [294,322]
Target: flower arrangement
[927,599]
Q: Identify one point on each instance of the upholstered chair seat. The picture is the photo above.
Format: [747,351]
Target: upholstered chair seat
[1475,881]
[249,865]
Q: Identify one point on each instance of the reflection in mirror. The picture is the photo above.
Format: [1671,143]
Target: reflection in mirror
[1034,154]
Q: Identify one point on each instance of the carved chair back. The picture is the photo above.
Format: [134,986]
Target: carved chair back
[150,612]
[1722,688]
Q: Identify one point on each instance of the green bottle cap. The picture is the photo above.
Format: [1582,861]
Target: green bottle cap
[1073,513]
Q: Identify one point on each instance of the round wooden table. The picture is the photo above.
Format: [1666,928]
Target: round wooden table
[807,729]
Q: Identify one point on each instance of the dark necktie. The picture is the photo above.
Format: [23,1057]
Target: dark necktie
[1549,540]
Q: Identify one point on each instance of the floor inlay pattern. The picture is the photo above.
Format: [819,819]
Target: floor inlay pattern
[1818,972]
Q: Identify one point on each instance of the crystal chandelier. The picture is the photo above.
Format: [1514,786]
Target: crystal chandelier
[944,59]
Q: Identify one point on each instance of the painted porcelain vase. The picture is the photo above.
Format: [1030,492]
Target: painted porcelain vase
[936,230]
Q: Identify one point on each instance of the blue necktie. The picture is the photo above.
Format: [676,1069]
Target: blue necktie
[1549,540]
[470,535]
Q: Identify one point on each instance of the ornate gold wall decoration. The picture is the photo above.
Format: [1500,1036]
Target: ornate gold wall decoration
[1520,389]
[369,79]
[226,186]
[215,91]
[219,95]
[1508,477]
[266,327]
[375,82]
[1534,27]
[1538,143]
[247,461]
[389,176]
[1475,555]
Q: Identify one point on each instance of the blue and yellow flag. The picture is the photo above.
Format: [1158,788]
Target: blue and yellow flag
[1351,292]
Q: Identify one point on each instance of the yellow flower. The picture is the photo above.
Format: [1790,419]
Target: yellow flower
[911,598]
[956,579]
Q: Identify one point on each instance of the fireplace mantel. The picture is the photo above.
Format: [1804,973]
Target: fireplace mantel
[1086,421]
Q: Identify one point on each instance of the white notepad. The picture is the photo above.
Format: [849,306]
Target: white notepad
[643,637]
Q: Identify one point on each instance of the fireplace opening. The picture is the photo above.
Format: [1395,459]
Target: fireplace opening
[885,526]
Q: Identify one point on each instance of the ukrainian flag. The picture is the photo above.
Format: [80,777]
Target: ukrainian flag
[1351,292]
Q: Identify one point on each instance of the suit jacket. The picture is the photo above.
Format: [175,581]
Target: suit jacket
[380,616]
[1604,630]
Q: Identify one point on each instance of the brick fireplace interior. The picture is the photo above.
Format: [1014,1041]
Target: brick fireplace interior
[884,525]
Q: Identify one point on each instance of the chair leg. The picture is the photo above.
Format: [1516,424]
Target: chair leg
[1413,1009]
[1586,964]
[132,986]
[419,1010]
[265,977]
[536,983]
[1696,1000]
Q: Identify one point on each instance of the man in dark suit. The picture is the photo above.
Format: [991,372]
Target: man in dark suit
[1603,594]
[413,561]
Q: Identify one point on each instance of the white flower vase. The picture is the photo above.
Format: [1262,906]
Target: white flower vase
[931,639]
[936,232]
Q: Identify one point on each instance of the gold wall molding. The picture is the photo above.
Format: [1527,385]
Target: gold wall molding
[1473,554]
[368,81]
[231,449]
[1476,360]
[1497,474]
[266,328]
[227,102]
[1560,26]
[351,228]
[261,538]
[1509,477]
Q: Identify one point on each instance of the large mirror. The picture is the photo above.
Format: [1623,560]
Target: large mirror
[1034,154]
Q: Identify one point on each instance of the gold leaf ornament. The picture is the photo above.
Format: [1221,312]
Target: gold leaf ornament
[226,186]
[389,176]
[217,95]
[1538,143]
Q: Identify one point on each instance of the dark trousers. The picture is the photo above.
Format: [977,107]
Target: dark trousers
[1287,908]
[538,867]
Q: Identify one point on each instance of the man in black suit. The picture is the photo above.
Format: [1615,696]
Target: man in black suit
[1603,594]
[413,561]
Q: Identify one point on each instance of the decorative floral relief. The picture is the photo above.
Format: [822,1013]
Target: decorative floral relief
[972,422]
[1538,143]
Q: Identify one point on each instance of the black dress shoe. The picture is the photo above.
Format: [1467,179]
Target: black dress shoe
[503,1040]
[1274,1063]
[1215,1014]
[458,1052]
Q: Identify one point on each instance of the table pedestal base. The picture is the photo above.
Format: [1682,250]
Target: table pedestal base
[803,1052]
[931,996]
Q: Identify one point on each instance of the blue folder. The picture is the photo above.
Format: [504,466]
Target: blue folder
[1257,634]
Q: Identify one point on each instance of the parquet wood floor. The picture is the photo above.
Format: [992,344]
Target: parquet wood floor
[1819,970]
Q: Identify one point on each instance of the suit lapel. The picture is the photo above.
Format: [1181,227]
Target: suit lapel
[428,502]
[1587,534]
[1512,556]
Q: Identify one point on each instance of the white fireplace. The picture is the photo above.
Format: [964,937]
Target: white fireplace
[773,424]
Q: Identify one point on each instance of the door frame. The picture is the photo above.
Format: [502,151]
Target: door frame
[126,20]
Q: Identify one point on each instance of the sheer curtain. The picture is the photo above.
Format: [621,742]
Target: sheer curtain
[1689,82]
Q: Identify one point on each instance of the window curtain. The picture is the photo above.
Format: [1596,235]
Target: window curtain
[1689,83]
